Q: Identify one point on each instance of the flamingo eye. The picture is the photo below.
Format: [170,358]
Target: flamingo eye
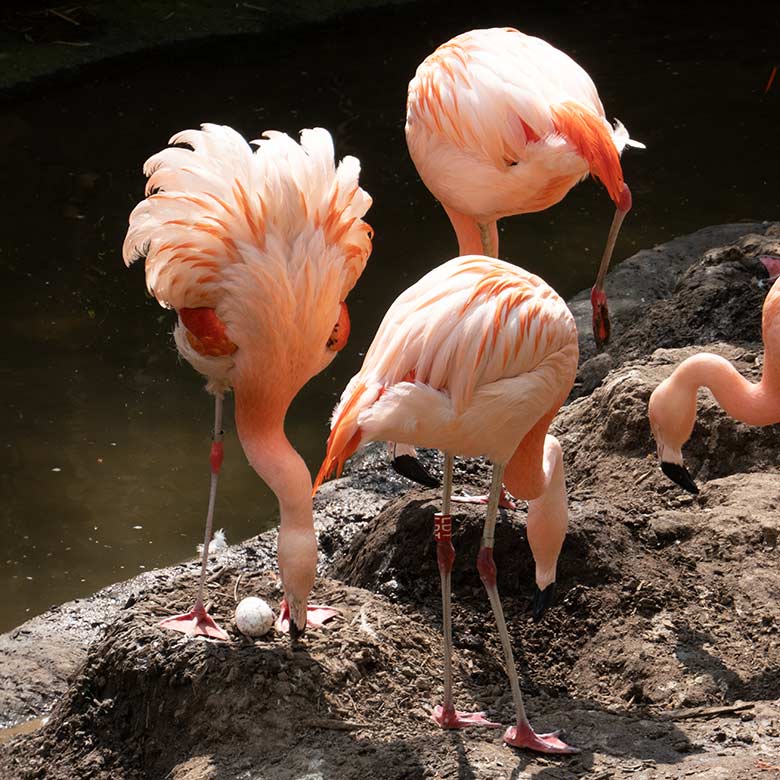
[340,334]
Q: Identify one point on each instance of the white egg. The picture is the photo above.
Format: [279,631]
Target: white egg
[254,617]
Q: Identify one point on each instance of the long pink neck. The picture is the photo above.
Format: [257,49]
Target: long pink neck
[748,402]
[275,460]
[260,424]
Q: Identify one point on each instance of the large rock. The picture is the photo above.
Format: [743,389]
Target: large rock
[653,274]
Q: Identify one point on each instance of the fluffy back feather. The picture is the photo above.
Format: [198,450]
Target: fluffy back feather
[469,322]
[272,239]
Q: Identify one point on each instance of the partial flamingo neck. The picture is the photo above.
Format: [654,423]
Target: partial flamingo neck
[525,474]
[535,473]
[261,430]
[273,457]
[750,403]
[474,238]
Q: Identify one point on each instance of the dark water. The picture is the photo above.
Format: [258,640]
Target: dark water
[104,466]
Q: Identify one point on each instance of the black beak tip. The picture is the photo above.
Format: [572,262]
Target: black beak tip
[680,476]
[411,468]
[295,632]
[542,600]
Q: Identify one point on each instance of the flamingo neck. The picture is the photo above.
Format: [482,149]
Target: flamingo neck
[751,403]
[474,237]
[527,475]
[261,430]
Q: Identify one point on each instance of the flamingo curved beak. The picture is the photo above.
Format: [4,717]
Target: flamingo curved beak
[542,600]
[680,476]
[408,466]
[295,632]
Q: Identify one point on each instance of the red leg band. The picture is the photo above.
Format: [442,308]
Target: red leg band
[486,567]
[216,456]
[442,527]
[442,533]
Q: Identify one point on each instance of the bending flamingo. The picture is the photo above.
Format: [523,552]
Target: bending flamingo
[500,123]
[475,359]
[672,407]
[256,250]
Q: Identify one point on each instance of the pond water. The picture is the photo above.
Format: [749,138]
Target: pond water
[104,467]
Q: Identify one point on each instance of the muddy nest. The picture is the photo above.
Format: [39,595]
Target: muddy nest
[149,703]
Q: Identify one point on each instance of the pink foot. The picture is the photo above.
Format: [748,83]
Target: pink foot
[197,622]
[455,719]
[316,616]
[505,502]
[523,736]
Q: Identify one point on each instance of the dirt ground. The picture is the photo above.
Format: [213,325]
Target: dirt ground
[659,659]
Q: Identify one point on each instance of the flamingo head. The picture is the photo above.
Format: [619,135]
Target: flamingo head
[298,611]
[297,568]
[671,421]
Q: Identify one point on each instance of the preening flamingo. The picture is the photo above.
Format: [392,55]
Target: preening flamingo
[501,123]
[474,359]
[672,407]
[256,250]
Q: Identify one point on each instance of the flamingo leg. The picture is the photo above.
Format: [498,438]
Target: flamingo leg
[445,714]
[198,622]
[598,298]
[521,734]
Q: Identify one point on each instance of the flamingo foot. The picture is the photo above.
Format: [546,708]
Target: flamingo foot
[523,736]
[196,622]
[316,616]
[455,719]
[505,502]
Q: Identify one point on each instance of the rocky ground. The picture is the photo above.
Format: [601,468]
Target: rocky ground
[660,658]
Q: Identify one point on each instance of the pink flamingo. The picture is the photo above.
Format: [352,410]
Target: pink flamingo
[500,123]
[256,250]
[475,359]
[672,407]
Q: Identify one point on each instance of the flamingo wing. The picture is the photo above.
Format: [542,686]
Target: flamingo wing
[492,92]
[501,97]
[474,326]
